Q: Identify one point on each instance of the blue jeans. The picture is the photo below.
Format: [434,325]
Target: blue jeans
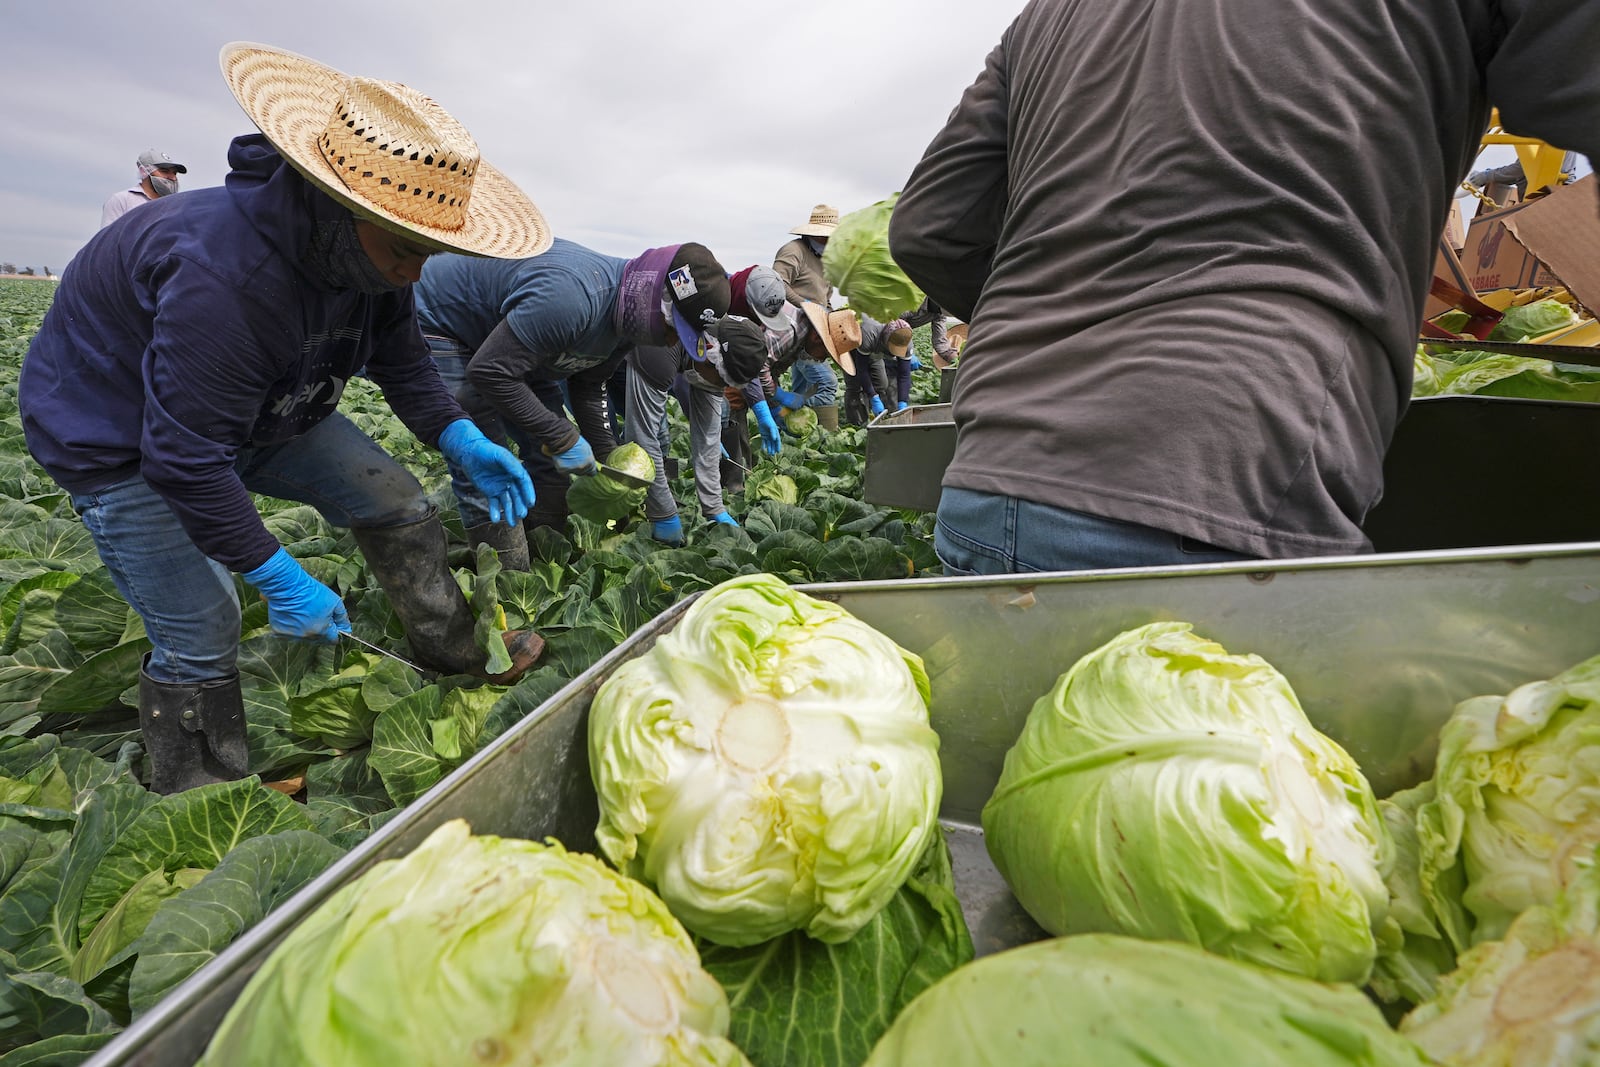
[986,533]
[188,601]
[810,372]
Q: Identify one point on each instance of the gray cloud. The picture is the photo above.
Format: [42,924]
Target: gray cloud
[629,123]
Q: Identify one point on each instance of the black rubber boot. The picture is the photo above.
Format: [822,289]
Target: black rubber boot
[193,732]
[549,505]
[508,541]
[411,564]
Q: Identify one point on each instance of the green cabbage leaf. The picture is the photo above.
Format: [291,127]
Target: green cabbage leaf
[858,264]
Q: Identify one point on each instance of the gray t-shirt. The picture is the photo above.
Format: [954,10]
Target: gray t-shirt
[1193,241]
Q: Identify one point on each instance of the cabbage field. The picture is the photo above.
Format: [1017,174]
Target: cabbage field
[1213,880]
[111,895]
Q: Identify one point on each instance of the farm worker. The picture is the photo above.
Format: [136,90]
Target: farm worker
[158,176]
[881,343]
[196,353]
[932,315]
[1193,242]
[756,296]
[820,337]
[799,264]
[741,353]
[507,334]
[757,293]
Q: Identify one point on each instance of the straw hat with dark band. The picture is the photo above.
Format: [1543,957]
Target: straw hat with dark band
[386,151]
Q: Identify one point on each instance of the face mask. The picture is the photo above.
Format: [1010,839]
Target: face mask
[158,185]
[336,257]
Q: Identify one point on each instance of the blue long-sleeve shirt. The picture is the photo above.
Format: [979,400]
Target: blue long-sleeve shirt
[189,329]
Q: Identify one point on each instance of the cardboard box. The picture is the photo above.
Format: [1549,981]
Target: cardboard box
[1447,267]
[1455,226]
[1551,240]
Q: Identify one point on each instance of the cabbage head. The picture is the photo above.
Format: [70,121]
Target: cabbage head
[858,264]
[801,422]
[481,950]
[1169,790]
[1532,320]
[602,499]
[767,766]
[1531,999]
[1120,1002]
[1516,809]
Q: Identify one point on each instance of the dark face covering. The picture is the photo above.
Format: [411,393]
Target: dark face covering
[337,259]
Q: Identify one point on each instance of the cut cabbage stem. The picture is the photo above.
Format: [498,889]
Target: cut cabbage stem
[1542,987]
[753,734]
[633,987]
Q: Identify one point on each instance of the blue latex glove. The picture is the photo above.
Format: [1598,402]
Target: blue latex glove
[792,401]
[579,459]
[297,604]
[901,405]
[668,530]
[724,518]
[497,473]
[770,441]
[877,405]
[916,364]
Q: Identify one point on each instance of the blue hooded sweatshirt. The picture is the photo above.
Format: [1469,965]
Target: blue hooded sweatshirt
[190,329]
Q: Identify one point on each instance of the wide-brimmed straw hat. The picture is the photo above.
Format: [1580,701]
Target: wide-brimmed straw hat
[386,151]
[840,332]
[824,220]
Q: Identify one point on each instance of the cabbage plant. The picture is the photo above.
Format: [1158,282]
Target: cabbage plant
[1531,999]
[603,499]
[767,766]
[1167,789]
[1119,1002]
[858,264]
[1516,808]
[481,950]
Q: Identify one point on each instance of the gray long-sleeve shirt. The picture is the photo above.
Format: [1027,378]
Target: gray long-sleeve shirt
[1193,241]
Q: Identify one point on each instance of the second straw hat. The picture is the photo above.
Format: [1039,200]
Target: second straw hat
[386,151]
[824,220]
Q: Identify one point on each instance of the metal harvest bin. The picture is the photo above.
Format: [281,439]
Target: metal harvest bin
[1379,649]
[1461,472]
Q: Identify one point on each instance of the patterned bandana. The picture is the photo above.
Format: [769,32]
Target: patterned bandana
[336,257]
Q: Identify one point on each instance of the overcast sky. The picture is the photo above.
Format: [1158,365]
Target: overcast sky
[630,123]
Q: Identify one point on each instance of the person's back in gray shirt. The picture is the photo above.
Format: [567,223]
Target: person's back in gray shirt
[1193,241]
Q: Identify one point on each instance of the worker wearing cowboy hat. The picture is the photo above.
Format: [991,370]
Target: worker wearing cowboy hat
[822,336]
[196,353]
[799,262]
[883,344]
[158,176]
[569,315]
